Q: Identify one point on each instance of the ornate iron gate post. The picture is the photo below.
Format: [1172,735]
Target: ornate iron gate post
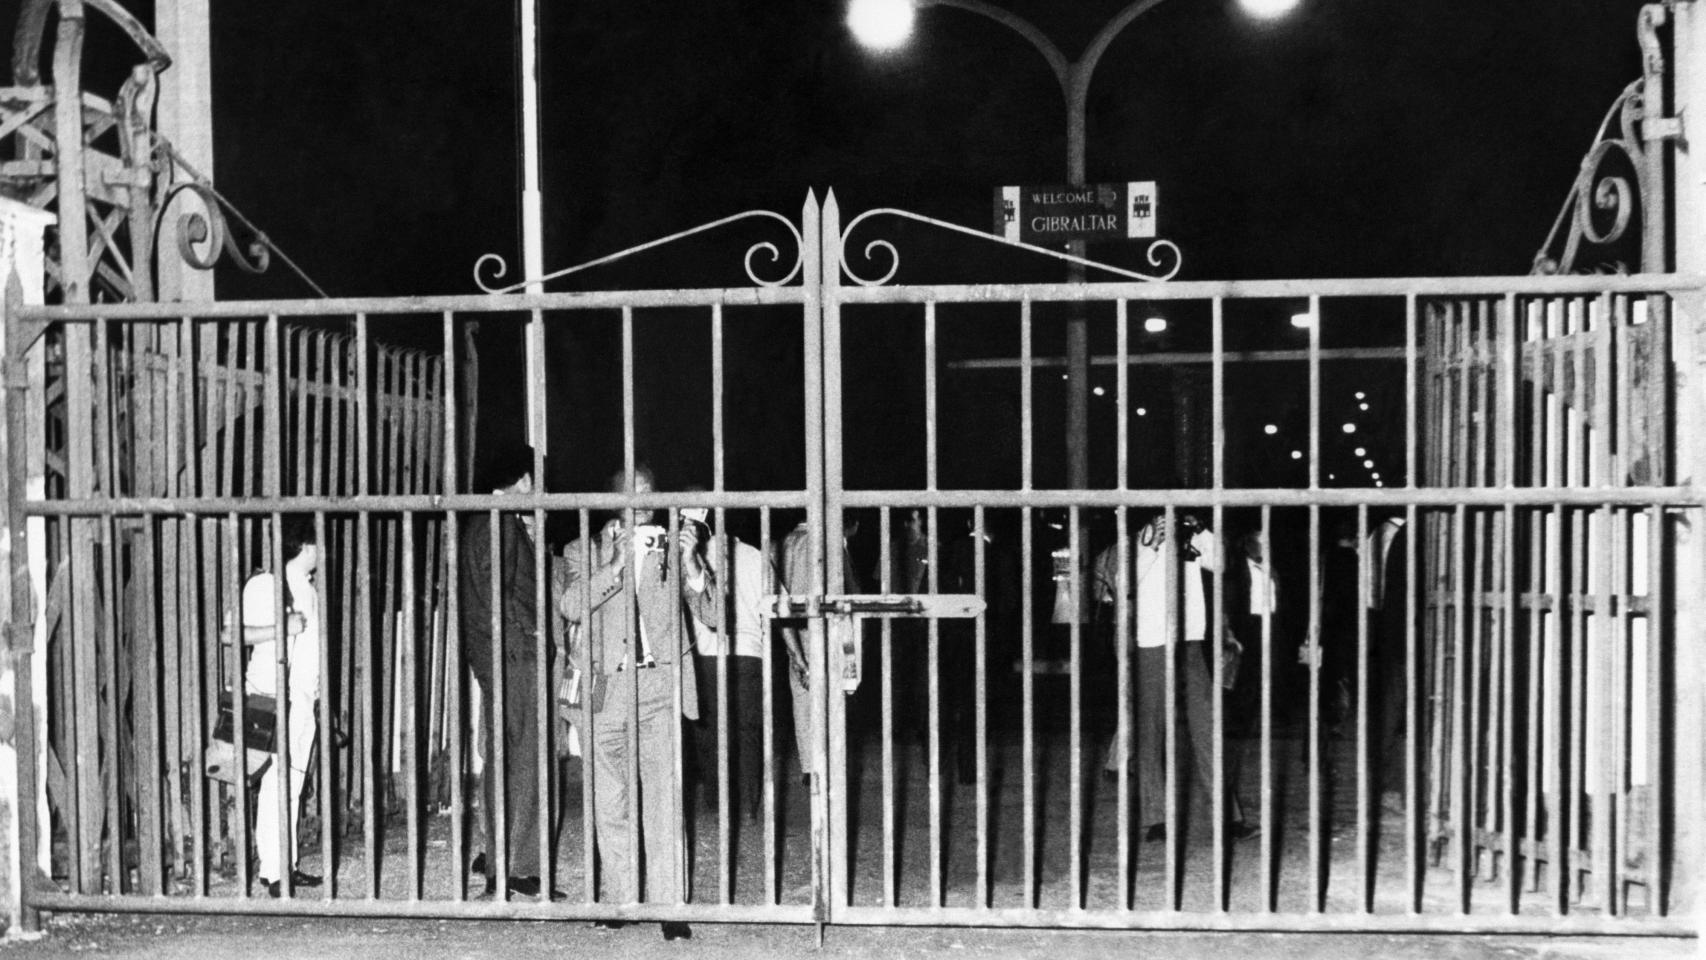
[17,702]
[1688,679]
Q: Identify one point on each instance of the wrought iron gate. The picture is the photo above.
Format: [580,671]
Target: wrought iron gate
[955,494]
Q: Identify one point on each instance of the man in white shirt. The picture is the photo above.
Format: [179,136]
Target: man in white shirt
[301,682]
[743,611]
[1152,616]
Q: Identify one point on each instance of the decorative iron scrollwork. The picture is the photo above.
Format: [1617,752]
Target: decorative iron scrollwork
[492,267]
[1614,182]
[208,227]
[1164,255]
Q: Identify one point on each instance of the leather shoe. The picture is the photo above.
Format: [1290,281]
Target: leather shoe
[1156,833]
[530,887]
[1241,830]
[297,879]
[609,924]
[479,864]
[676,930]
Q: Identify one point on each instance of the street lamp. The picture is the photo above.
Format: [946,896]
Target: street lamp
[881,24]
[885,24]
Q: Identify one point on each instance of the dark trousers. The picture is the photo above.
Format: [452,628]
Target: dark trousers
[521,768]
[1388,665]
[746,731]
[1194,729]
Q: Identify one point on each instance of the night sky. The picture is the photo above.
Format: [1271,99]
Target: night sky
[377,144]
[377,141]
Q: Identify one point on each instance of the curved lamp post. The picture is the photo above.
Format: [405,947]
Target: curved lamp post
[886,24]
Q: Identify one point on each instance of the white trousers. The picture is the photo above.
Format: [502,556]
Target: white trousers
[268,849]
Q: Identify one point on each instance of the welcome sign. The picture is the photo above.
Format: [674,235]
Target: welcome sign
[1046,215]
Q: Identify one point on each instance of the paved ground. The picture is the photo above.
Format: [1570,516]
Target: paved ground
[278,939]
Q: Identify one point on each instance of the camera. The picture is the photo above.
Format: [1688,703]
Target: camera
[648,538]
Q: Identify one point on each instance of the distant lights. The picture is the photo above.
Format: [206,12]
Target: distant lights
[1350,428]
[1368,464]
[1361,395]
[1375,475]
[1303,321]
[1099,391]
[1270,429]
[1297,454]
[1362,451]
[1379,484]
[1155,325]
[1143,411]
[1363,406]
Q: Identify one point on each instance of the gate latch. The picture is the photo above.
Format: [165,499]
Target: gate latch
[843,610]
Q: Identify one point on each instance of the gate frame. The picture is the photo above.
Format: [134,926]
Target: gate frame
[826,497]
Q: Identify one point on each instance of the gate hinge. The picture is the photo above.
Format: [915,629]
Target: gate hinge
[929,605]
[1659,129]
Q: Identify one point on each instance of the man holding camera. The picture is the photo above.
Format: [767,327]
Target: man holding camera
[1152,616]
[631,593]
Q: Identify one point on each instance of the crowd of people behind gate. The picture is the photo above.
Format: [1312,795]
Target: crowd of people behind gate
[639,642]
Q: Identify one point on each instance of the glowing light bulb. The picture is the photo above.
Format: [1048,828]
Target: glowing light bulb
[1268,9]
[1270,429]
[1155,325]
[882,24]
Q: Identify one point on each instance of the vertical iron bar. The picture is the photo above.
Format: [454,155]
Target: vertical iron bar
[1366,572]
[1122,603]
[453,666]
[1217,616]
[1655,732]
[885,574]
[933,669]
[1317,827]
[197,627]
[281,672]
[768,683]
[630,596]
[980,731]
[1605,659]
[1269,887]
[495,771]
[933,535]
[364,659]
[589,736]
[1510,371]
[1075,697]
[409,713]
[1170,778]
[1461,819]
[1534,355]
[328,755]
[726,632]
[1027,647]
[239,707]
[544,697]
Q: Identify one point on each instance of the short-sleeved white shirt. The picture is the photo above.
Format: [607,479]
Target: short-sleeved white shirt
[1149,581]
[302,656]
[747,588]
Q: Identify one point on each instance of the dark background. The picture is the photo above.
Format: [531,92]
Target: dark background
[376,143]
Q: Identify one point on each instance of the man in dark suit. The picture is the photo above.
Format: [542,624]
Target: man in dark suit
[510,471]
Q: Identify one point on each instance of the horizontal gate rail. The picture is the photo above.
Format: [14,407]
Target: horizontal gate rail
[1512,633]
